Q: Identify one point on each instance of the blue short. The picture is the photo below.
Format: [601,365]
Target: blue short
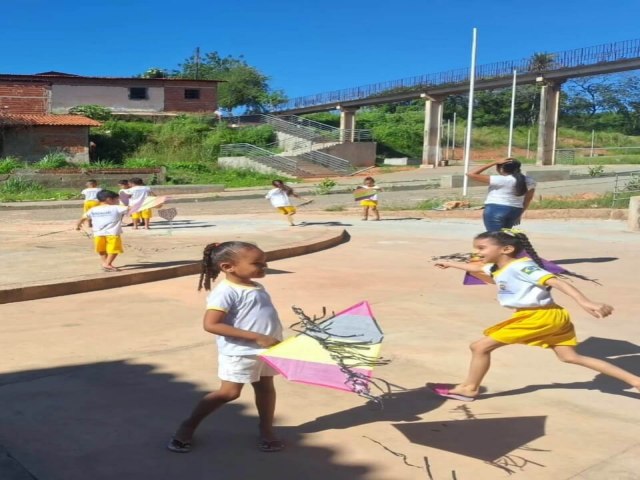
[497,217]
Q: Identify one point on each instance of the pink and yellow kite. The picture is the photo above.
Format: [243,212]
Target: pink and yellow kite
[339,352]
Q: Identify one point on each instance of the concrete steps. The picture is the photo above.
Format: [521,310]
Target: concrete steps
[309,169]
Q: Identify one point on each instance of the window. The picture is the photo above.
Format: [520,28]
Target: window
[138,93]
[192,94]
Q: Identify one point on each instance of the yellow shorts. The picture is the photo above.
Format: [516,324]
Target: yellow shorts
[287,210]
[539,327]
[142,214]
[109,244]
[368,203]
[88,204]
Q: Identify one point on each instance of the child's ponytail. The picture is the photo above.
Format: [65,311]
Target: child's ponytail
[210,269]
[213,255]
[528,248]
[512,167]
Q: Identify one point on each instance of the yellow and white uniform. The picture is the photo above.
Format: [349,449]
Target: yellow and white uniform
[280,200]
[106,222]
[90,198]
[247,308]
[138,194]
[538,321]
[371,201]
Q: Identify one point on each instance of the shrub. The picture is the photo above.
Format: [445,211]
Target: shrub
[325,186]
[95,112]
[141,163]
[20,185]
[9,164]
[52,161]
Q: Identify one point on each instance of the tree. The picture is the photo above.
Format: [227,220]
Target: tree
[155,72]
[243,86]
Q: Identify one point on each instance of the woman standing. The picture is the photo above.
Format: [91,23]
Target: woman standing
[509,196]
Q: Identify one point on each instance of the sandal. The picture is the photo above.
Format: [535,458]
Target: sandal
[270,445]
[178,446]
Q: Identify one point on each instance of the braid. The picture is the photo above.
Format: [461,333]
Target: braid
[209,270]
[527,247]
[216,253]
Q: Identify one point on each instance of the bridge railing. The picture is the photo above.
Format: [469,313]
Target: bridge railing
[260,155]
[537,63]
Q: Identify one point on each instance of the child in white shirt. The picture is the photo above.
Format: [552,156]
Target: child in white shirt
[241,313]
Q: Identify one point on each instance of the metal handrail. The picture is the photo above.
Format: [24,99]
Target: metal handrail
[339,134]
[597,54]
[331,162]
[260,155]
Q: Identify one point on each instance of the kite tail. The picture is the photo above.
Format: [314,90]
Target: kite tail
[346,354]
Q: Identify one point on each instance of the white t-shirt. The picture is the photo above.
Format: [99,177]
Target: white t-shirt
[502,190]
[521,284]
[90,193]
[246,308]
[278,198]
[139,194]
[106,220]
[124,197]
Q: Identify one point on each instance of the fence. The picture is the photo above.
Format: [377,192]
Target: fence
[591,155]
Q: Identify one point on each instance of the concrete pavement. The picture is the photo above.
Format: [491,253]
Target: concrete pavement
[92,385]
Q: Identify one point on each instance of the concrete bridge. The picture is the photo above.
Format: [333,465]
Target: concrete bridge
[549,71]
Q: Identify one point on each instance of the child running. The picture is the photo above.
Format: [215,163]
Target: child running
[137,194]
[106,220]
[371,202]
[241,313]
[279,198]
[524,285]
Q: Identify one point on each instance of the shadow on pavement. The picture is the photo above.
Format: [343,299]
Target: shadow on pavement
[400,219]
[111,420]
[501,442]
[625,355]
[402,406]
[571,261]
[326,224]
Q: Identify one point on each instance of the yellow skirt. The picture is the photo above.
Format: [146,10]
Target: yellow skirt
[539,327]
[368,203]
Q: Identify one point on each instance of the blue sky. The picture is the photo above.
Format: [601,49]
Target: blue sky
[304,46]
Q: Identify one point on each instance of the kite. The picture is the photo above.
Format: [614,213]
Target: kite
[362,193]
[168,214]
[338,352]
[149,202]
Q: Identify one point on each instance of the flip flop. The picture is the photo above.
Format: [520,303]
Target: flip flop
[270,445]
[178,446]
[445,392]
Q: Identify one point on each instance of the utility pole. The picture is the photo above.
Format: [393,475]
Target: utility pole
[197,63]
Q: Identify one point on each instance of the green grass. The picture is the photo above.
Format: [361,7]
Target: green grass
[18,190]
[601,201]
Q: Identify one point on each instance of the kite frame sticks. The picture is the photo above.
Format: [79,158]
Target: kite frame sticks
[345,353]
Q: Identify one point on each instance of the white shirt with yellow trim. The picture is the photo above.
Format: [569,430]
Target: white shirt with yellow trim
[521,284]
[246,308]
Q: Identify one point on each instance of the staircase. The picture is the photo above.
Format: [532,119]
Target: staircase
[303,155]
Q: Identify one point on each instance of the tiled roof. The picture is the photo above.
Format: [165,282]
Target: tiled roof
[59,120]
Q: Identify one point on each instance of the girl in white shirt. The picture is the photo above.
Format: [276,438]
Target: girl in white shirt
[241,314]
[509,195]
[524,286]
[279,198]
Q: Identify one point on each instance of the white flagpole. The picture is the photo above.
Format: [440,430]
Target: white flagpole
[467,143]
[513,110]
[453,138]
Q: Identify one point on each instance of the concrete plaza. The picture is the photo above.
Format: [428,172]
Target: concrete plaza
[92,385]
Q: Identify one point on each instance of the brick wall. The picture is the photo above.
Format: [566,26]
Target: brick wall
[32,143]
[27,98]
[174,100]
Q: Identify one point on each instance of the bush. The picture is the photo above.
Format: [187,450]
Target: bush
[116,140]
[9,164]
[141,163]
[19,185]
[53,160]
[95,112]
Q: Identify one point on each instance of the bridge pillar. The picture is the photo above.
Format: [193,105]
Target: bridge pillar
[432,132]
[347,124]
[548,123]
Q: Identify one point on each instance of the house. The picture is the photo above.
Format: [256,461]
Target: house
[34,109]
[130,96]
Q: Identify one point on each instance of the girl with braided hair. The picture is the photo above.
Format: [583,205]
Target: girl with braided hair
[538,321]
[241,314]
[279,198]
[510,193]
